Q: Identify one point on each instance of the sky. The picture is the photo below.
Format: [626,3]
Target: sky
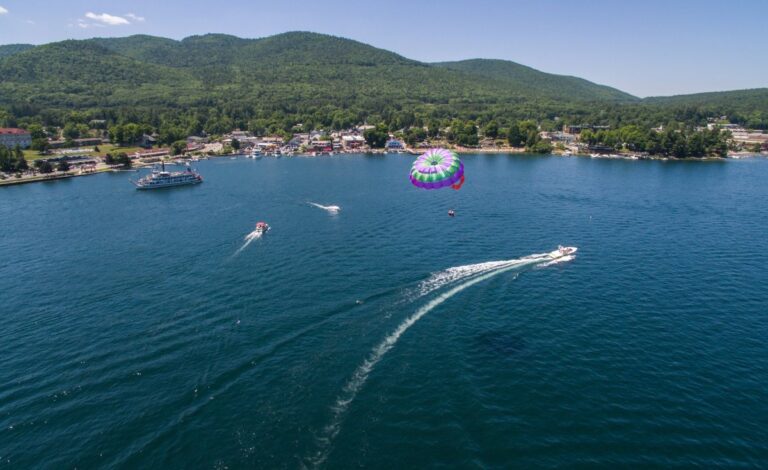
[647,48]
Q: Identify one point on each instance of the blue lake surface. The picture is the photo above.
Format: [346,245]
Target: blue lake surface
[135,332]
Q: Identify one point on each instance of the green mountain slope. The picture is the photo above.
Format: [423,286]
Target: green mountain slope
[528,80]
[307,77]
[290,71]
[747,100]
[11,49]
[83,74]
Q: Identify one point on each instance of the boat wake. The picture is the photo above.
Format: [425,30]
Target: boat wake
[460,278]
[330,209]
[248,240]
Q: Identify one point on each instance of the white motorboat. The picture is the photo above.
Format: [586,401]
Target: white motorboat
[562,251]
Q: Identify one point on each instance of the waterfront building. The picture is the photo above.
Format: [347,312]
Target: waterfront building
[196,140]
[394,145]
[11,137]
[147,141]
[352,142]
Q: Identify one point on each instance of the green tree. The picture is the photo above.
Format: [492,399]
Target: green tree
[377,137]
[235,145]
[542,146]
[70,131]
[63,166]
[40,144]
[117,134]
[36,131]
[515,137]
[491,130]
[178,147]
[43,166]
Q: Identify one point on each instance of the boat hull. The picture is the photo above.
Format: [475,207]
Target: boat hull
[167,185]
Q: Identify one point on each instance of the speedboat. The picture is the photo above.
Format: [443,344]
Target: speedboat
[261,227]
[562,251]
[451,213]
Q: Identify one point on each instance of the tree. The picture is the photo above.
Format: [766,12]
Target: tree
[491,130]
[515,137]
[542,146]
[36,131]
[21,164]
[63,166]
[41,145]
[70,131]
[124,159]
[235,144]
[178,147]
[377,137]
[117,134]
[43,166]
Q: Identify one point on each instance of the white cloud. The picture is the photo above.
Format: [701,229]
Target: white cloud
[135,17]
[3,11]
[107,19]
[30,22]
[85,25]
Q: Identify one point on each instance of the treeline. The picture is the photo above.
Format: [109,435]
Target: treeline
[674,141]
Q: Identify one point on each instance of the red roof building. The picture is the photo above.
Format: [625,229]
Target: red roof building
[11,137]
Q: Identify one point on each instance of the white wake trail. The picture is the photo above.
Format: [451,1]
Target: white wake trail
[248,239]
[329,209]
[475,273]
[443,278]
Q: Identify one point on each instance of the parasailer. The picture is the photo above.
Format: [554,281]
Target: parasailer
[437,168]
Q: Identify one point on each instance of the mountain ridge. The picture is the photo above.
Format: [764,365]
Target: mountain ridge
[301,76]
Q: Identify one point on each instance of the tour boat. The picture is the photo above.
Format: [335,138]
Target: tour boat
[166,179]
[562,251]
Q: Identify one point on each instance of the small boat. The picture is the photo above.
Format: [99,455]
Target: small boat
[451,213]
[261,227]
[562,251]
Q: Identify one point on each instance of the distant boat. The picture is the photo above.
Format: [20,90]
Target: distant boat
[261,228]
[166,179]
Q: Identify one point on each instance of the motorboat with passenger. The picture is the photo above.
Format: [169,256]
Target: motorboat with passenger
[261,228]
[562,251]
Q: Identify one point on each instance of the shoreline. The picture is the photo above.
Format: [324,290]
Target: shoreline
[13,181]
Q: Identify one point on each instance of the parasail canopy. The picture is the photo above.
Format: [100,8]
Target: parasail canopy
[437,168]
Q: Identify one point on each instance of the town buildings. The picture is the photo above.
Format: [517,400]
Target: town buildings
[11,137]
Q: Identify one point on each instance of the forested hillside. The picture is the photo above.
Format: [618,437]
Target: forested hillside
[215,82]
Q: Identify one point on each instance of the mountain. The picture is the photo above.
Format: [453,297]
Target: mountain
[532,81]
[296,70]
[84,74]
[752,100]
[11,49]
[302,77]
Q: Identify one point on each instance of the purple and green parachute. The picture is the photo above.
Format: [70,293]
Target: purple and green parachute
[437,168]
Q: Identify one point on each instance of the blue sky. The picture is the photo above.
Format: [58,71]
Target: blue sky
[645,48]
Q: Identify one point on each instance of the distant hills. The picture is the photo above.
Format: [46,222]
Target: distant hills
[532,82]
[308,76]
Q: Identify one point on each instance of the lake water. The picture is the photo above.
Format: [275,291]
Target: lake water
[135,332]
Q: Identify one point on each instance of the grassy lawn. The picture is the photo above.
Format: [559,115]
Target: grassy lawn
[31,155]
